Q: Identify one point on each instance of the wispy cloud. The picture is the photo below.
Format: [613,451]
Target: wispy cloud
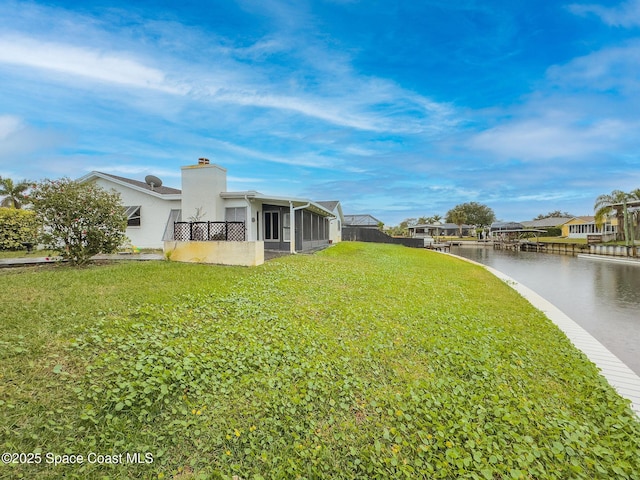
[97,65]
[626,14]
[552,138]
[9,124]
[249,153]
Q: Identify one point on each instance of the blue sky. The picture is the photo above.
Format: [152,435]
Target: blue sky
[396,108]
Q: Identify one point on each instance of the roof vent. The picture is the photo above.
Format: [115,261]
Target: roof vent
[203,161]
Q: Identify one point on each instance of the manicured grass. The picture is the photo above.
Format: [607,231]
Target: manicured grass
[23,253]
[578,241]
[361,361]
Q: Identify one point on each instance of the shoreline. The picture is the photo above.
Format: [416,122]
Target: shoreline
[616,372]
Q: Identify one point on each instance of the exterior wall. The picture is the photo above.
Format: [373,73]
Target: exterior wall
[252,218]
[201,188]
[154,214]
[247,254]
[335,230]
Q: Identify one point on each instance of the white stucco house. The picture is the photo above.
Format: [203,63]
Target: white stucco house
[205,222]
[149,208]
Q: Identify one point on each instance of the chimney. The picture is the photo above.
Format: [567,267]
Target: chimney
[202,185]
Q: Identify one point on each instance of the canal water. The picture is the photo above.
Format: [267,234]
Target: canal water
[603,297]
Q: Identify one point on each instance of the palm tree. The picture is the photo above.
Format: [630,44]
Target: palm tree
[604,206]
[458,216]
[13,194]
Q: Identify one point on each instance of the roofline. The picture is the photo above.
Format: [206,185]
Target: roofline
[106,176]
[252,194]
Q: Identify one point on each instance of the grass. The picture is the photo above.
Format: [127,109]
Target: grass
[361,361]
[23,253]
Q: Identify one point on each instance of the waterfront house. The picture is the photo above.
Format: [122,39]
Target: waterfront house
[583,227]
[425,230]
[205,222]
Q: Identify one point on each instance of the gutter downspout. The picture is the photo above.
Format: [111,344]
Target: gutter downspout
[292,209]
[246,198]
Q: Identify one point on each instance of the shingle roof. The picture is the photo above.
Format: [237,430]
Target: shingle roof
[546,222]
[361,220]
[161,190]
[330,205]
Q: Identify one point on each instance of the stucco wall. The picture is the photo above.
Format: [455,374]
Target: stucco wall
[223,253]
[154,214]
[201,188]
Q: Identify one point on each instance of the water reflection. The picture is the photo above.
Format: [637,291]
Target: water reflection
[602,297]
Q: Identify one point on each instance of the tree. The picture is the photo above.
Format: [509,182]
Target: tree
[79,219]
[13,193]
[17,228]
[457,216]
[554,214]
[604,207]
[475,214]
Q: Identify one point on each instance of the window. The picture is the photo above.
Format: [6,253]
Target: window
[133,215]
[271,226]
[235,214]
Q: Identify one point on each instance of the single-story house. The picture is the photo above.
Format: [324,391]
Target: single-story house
[151,209]
[205,222]
[438,230]
[581,227]
[549,222]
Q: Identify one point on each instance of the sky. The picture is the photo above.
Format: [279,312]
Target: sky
[397,108]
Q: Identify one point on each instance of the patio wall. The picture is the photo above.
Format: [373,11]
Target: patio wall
[222,253]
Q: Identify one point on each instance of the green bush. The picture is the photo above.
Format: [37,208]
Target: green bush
[554,231]
[80,219]
[16,226]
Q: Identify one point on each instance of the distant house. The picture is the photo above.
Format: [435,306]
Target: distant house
[426,230]
[362,221]
[581,227]
[205,222]
[549,222]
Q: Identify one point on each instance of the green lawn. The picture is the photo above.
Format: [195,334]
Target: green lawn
[361,361]
[23,253]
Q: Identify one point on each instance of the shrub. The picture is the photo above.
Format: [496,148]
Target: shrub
[16,227]
[554,232]
[79,219]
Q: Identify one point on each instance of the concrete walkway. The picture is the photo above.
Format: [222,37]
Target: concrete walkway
[26,261]
[620,377]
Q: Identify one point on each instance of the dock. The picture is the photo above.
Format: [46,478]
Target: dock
[440,247]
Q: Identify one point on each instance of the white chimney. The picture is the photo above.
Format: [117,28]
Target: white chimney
[202,185]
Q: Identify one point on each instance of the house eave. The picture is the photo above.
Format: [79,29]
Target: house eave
[95,175]
[295,201]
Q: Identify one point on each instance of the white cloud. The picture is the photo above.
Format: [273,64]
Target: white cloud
[627,14]
[606,69]
[305,161]
[9,124]
[549,138]
[111,67]
[20,140]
